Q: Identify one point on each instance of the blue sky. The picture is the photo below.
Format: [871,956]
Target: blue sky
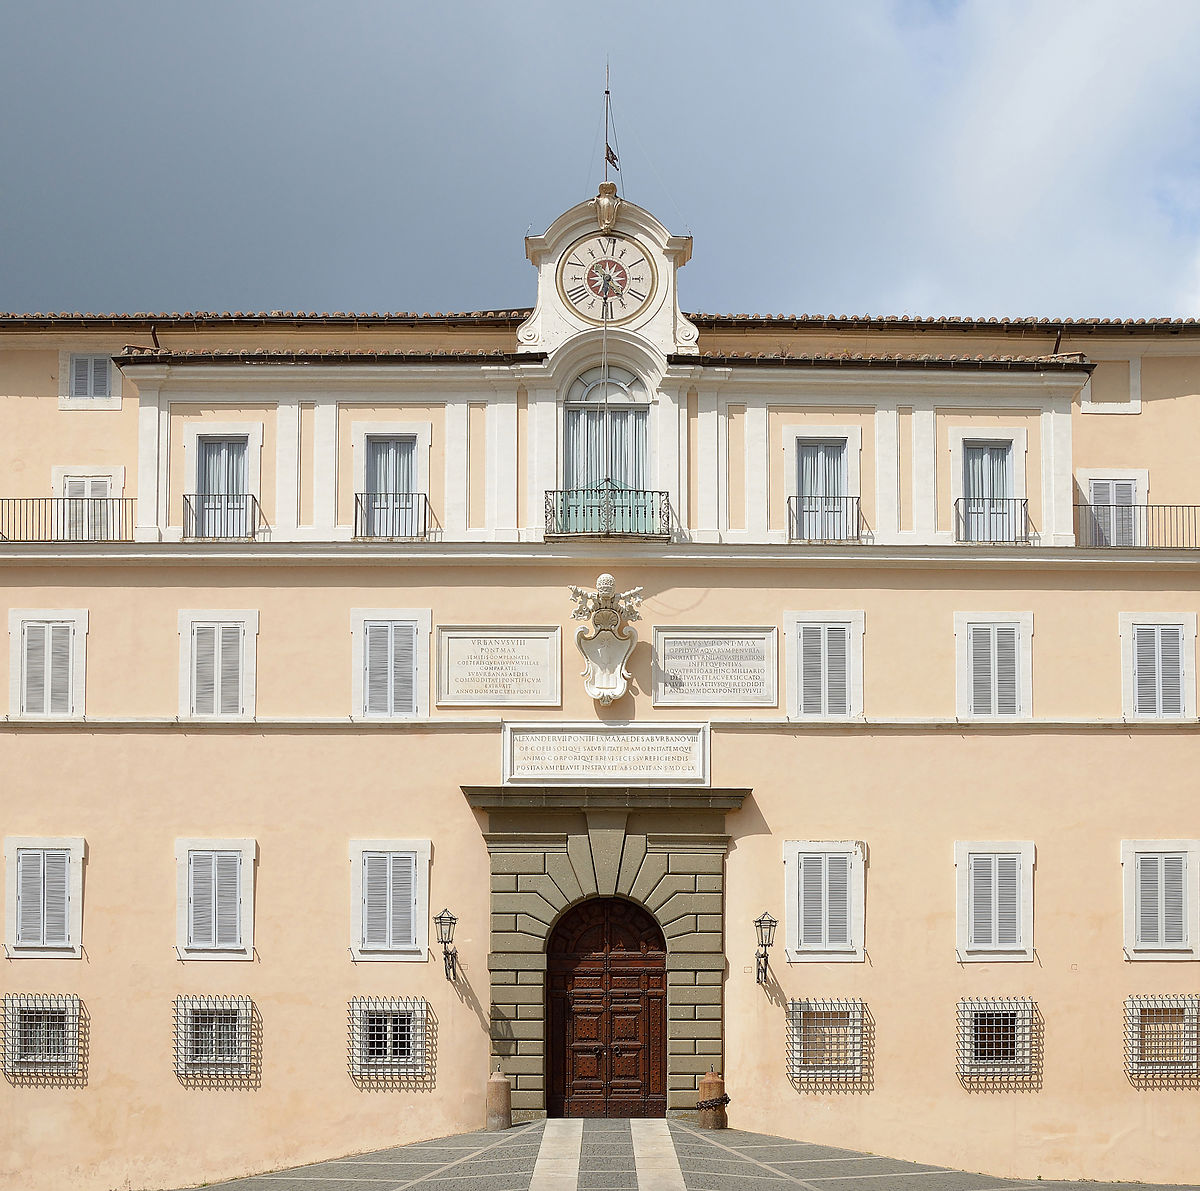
[896,156]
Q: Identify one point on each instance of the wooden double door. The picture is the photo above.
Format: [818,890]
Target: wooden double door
[606,1024]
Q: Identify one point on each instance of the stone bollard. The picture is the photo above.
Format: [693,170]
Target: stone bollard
[712,1102]
[499,1102]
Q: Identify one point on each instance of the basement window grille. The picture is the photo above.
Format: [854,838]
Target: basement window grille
[825,1041]
[387,1037]
[41,1034]
[213,1036]
[1162,1037]
[996,1040]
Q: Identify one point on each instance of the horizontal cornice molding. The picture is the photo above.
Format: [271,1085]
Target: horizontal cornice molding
[584,797]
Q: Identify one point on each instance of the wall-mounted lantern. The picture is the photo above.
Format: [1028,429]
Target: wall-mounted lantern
[765,925]
[445,922]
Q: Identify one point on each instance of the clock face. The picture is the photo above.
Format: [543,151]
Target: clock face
[607,278]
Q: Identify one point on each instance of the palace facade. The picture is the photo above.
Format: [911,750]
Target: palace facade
[889,631]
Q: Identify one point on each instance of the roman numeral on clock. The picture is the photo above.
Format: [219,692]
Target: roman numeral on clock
[636,294]
[577,293]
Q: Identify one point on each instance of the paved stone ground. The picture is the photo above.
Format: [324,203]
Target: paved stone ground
[615,1156]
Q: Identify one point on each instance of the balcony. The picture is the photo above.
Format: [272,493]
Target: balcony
[992,521]
[222,517]
[391,516]
[608,511]
[66,519]
[1150,527]
[824,519]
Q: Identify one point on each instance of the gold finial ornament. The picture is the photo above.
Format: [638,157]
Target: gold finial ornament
[606,204]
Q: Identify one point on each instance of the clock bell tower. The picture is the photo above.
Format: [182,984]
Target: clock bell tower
[607,265]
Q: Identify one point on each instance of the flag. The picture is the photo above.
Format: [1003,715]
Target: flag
[610,156]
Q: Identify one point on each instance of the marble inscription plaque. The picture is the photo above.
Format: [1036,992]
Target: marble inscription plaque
[583,754]
[485,666]
[698,667]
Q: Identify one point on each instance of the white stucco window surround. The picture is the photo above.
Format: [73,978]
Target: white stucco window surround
[825,906]
[410,946]
[66,401]
[1169,928]
[963,670]
[1128,621]
[854,620]
[1139,475]
[252,432]
[247,618]
[420,432]
[1017,438]
[68,686]
[793,436]
[1003,929]
[233,894]
[422,621]
[114,475]
[50,944]
[1132,406]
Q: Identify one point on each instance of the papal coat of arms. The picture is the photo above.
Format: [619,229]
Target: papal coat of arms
[607,643]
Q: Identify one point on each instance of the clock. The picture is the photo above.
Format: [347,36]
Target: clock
[607,278]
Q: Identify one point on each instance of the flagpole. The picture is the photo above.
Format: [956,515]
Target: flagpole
[604,418]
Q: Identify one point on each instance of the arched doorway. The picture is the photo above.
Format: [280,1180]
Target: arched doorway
[606,988]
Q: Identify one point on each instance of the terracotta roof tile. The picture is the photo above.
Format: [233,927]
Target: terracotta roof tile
[137,354]
[1063,362]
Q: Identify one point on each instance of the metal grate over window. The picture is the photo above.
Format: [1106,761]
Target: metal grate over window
[827,1042]
[1162,1040]
[41,1035]
[998,1042]
[214,1037]
[388,1038]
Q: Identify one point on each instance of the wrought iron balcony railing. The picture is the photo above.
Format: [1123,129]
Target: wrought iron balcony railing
[391,515]
[824,519]
[608,511]
[66,519]
[1152,527]
[992,520]
[221,516]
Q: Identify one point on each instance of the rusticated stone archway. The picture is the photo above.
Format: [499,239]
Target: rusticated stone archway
[663,848]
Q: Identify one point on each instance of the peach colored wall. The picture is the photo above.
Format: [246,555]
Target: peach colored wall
[185,413]
[735,424]
[477,464]
[522,455]
[691,454]
[982,420]
[904,469]
[305,455]
[434,414]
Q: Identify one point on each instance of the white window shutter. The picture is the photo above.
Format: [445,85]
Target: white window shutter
[375,899]
[377,655]
[1174,872]
[979,637]
[201,910]
[837,650]
[811,669]
[81,369]
[231,669]
[204,669]
[404,657]
[228,899]
[75,487]
[982,877]
[1149,886]
[812,900]
[837,916]
[1171,668]
[403,899]
[34,681]
[101,372]
[1008,901]
[1101,492]
[1006,669]
[1145,669]
[30,917]
[60,669]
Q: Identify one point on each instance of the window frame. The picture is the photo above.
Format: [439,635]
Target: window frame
[76,848]
[855,621]
[251,431]
[849,435]
[18,618]
[415,1068]
[66,367]
[1130,850]
[959,437]
[856,951]
[797,1029]
[422,432]
[247,883]
[1127,624]
[965,950]
[1024,1066]
[187,1066]
[422,618]
[1140,1068]
[963,670]
[248,619]
[59,475]
[422,849]
[43,1066]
